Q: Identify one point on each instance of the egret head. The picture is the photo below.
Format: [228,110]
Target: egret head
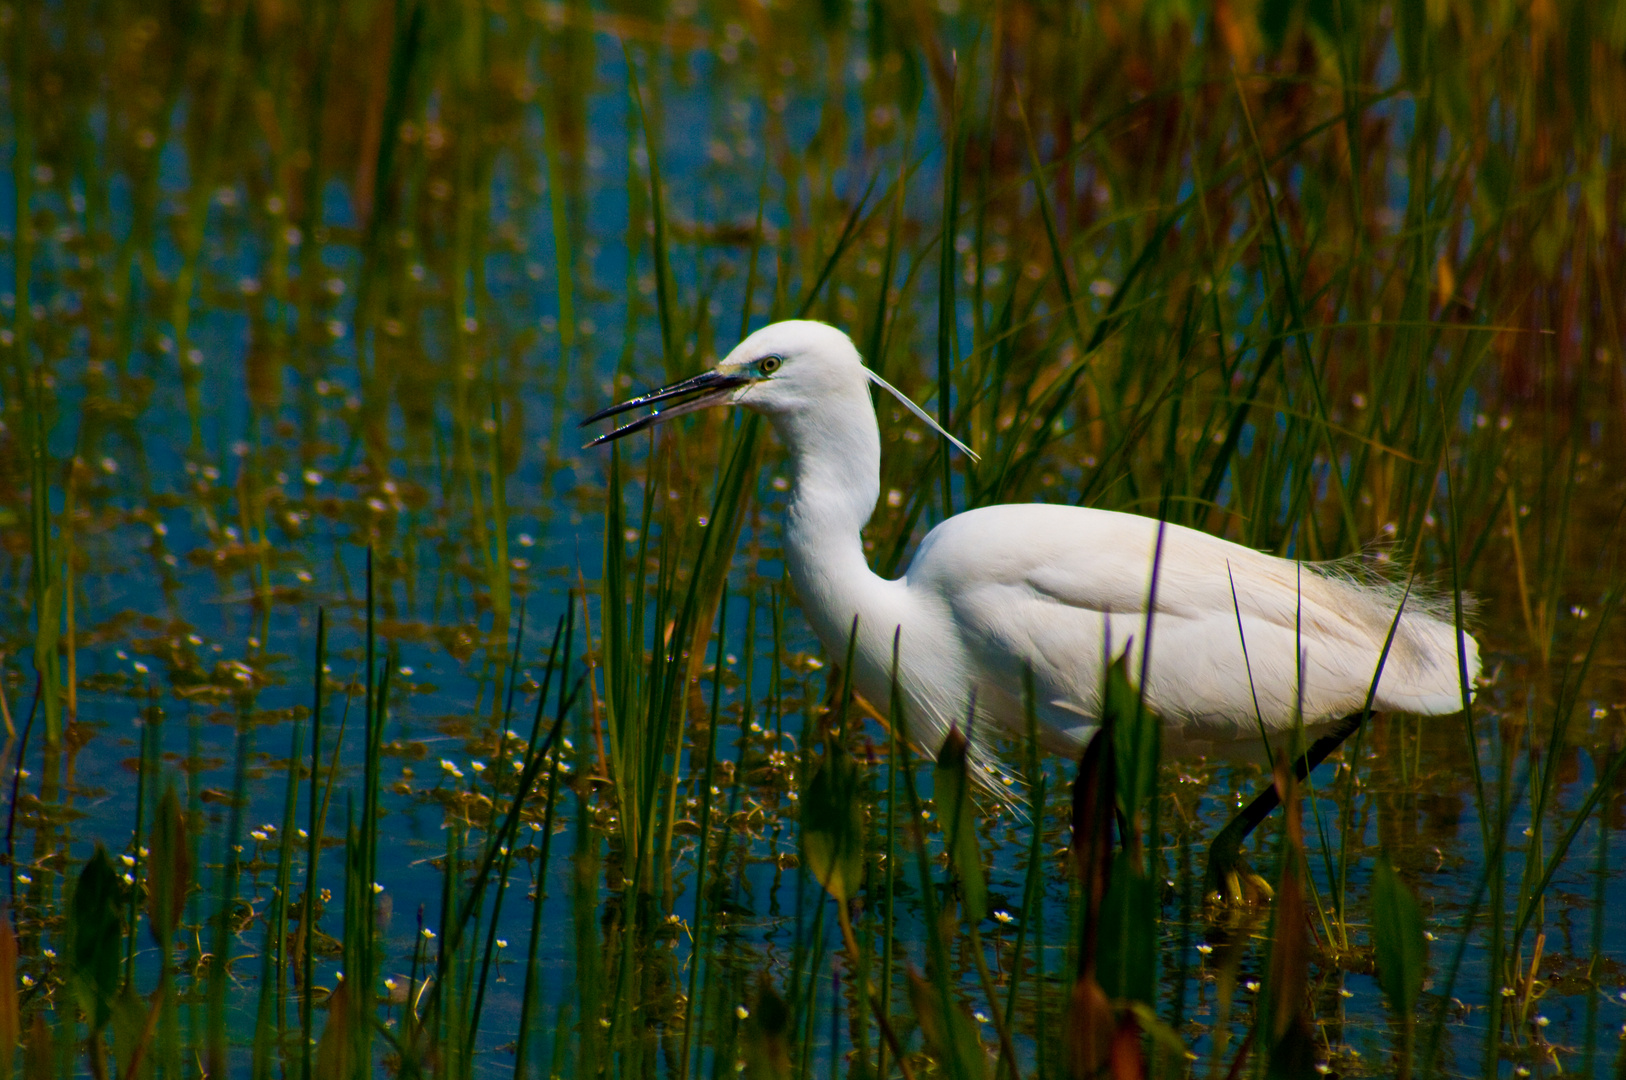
[785,367]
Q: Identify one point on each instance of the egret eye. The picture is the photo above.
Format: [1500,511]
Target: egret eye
[769,364]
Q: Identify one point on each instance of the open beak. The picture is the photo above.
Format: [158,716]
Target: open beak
[701,392]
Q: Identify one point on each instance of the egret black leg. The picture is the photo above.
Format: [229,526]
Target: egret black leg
[1225,853]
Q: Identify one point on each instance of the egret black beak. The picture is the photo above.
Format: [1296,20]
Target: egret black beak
[701,392]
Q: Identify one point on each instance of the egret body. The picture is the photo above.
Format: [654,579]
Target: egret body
[1239,639]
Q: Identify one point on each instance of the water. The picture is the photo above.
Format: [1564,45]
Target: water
[265,335]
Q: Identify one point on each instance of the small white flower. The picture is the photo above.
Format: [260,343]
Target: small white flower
[980,1016]
[377,888]
[258,835]
[27,982]
[1205,949]
[502,943]
[1251,986]
[428,934]
[127,860]
[1542,1021]
[740,1011]
[1345,992]
[1004,918]
[478,766]
[50,954]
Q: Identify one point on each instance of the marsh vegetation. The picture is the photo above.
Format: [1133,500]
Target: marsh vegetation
[359,723]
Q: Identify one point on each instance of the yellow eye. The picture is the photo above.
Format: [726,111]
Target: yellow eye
[769,364]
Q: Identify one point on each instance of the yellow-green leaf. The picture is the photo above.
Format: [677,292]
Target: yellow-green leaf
[832,822]
[1397,934]
[95,932]
[958,818]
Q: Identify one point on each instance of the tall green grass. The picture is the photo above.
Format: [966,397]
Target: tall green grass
[1323,280]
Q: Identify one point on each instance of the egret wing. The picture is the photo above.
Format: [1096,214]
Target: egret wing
[1063,590]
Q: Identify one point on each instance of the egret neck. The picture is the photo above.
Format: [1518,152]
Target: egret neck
[835,455]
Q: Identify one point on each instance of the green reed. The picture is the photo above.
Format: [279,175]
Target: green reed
[1229,272]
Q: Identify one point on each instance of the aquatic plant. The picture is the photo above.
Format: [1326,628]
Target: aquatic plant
[304,303]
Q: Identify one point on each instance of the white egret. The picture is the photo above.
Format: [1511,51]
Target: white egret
[1240,639]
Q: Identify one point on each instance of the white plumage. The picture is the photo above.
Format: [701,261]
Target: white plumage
[1062,589]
